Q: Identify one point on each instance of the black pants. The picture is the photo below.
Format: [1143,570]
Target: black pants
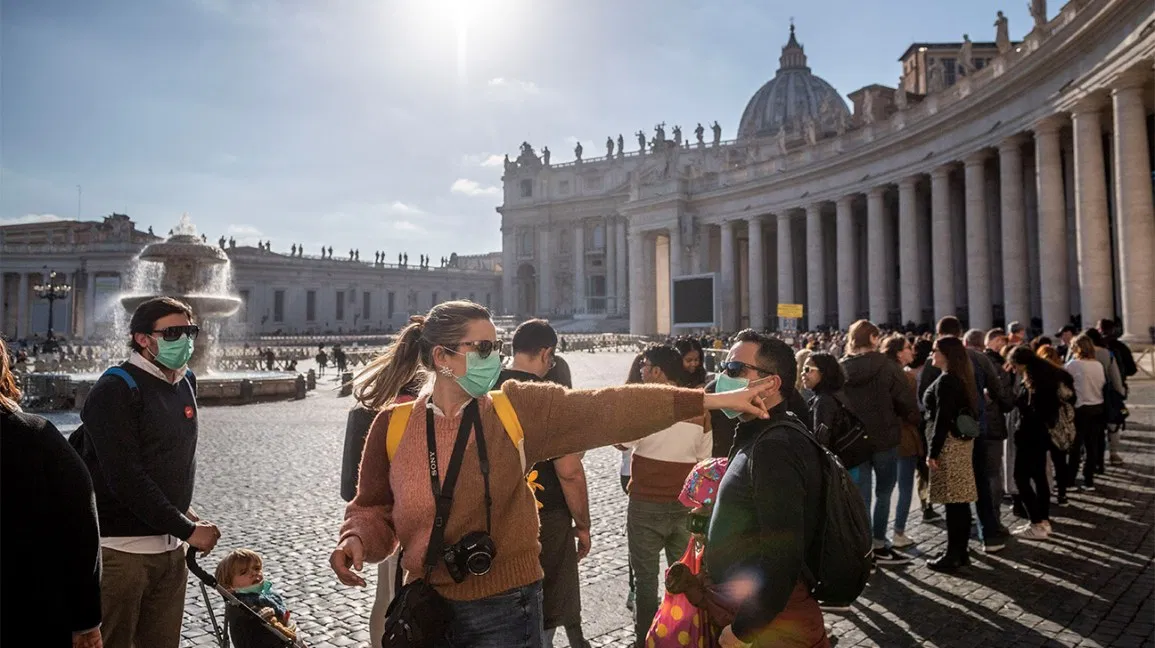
[1090,434]
[1031,480]
[1062,474]
[958,529]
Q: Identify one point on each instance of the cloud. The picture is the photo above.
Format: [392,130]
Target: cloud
[505,89]
[406,226]
[29,219]
[244,230]
[473,188]
[493,161]
[400,208]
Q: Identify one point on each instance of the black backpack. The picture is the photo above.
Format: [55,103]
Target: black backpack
[838,563]
[850,442]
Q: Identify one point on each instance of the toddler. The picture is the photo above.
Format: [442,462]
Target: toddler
[241,572]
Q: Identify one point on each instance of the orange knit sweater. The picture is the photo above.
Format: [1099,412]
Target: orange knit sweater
[394,503]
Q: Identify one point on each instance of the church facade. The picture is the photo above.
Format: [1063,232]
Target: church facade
[999,181]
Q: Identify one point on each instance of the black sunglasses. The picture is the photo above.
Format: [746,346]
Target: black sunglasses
[173,333]
[482,347]
[734,368]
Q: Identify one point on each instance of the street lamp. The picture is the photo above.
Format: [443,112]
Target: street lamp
[53,290]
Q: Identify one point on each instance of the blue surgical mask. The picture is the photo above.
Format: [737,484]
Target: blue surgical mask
[480,373]
[727,384]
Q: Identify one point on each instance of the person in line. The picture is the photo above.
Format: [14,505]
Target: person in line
[1016,334]
[1038,402]
[878,393]
[368,391]
[1114,368]
[139,444]
[1127,368]
[952,476]
[1065,335]
[988,459]
[923,348]
[49,511]
[693,370]
[768,509]
[823,376]
[563,500]
[1090,425]
[655,519]
[994,344]
[910,445]
[456,344]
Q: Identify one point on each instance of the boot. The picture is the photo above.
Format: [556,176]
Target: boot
[947,562]
[929,514]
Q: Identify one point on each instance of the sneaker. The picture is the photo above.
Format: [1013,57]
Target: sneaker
[1116,460]
[994,544]
[929,514]
[1046,524]
[888,556]
[630,601]
[900,540]
[1061,501]
[1089,487]
[1034,532]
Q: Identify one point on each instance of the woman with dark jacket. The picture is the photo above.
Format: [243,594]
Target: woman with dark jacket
[1038,402]
[822,375]
[51,556]
[952,473]
[910,445]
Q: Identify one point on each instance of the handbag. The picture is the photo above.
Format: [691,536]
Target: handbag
[419,617]
[1063,431]
[679,622]
[850,443]
[967,426]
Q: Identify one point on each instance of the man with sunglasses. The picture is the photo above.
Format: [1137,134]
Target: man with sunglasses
[139,438]
[768,508]
[563,501]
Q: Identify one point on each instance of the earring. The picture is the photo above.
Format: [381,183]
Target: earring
[446,371]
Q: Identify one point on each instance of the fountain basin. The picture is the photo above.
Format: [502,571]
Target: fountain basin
[215,388]
[202,305]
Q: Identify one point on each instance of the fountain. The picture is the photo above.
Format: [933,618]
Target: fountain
[185,267]
[193,272]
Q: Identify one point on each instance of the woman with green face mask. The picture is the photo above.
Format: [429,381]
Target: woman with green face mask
[487,572]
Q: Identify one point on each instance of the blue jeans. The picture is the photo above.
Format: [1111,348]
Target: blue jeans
[511,619]
[883,465]
[906,470]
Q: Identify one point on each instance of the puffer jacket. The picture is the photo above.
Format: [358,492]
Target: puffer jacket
[879,396]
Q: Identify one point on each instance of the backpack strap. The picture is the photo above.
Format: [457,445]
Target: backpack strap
[510,422]
[122,373]
[398,419]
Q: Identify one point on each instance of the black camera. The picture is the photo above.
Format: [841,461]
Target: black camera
[698,523]
[471,554]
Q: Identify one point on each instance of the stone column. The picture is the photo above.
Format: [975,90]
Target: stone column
[847,261]
[703,249]
[90,304]
[649,285]
[978,261]
[1055,288]
[545,305]
[22,315]
[942,251]
[579,269]
[757,272]
[1136,214]
[611,268]
[1092,227]
[508,272]
[676,251]
[909,273]
[878,287]
[622,288]
[815,262]
[728,320]
[1016,291]
[637,297]
[785,260]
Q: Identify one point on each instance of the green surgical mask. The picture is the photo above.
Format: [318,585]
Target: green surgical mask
[727,384]
[480,373]
[174,354]
[262,587]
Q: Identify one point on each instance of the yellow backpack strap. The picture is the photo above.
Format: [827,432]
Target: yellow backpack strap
[510,422]
[398,419]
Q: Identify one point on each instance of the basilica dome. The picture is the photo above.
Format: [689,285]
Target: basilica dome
[793,95]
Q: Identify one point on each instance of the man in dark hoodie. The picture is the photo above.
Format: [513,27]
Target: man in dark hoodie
[723,427]
[880,397]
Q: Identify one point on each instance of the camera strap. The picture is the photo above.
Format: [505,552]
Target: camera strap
[443,497]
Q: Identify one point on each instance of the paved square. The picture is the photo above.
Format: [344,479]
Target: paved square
[268,474]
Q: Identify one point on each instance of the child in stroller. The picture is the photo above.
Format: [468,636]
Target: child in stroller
[241,573]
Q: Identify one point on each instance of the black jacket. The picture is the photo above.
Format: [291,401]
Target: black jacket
[141,452]
[765,517]
[51,543]
[879,396]
[826,416]
[997,408]
[943,401]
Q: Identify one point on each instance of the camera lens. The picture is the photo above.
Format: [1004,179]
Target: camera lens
[479,563]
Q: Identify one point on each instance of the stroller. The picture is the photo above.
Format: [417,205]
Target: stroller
[221,634]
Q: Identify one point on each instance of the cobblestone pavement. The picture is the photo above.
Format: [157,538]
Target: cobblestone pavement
[268,475]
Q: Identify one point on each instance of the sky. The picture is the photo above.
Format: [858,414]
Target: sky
[381,124]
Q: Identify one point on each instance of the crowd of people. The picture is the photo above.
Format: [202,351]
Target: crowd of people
[465,486]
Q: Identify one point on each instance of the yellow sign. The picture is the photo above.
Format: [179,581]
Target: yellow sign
[790,310]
